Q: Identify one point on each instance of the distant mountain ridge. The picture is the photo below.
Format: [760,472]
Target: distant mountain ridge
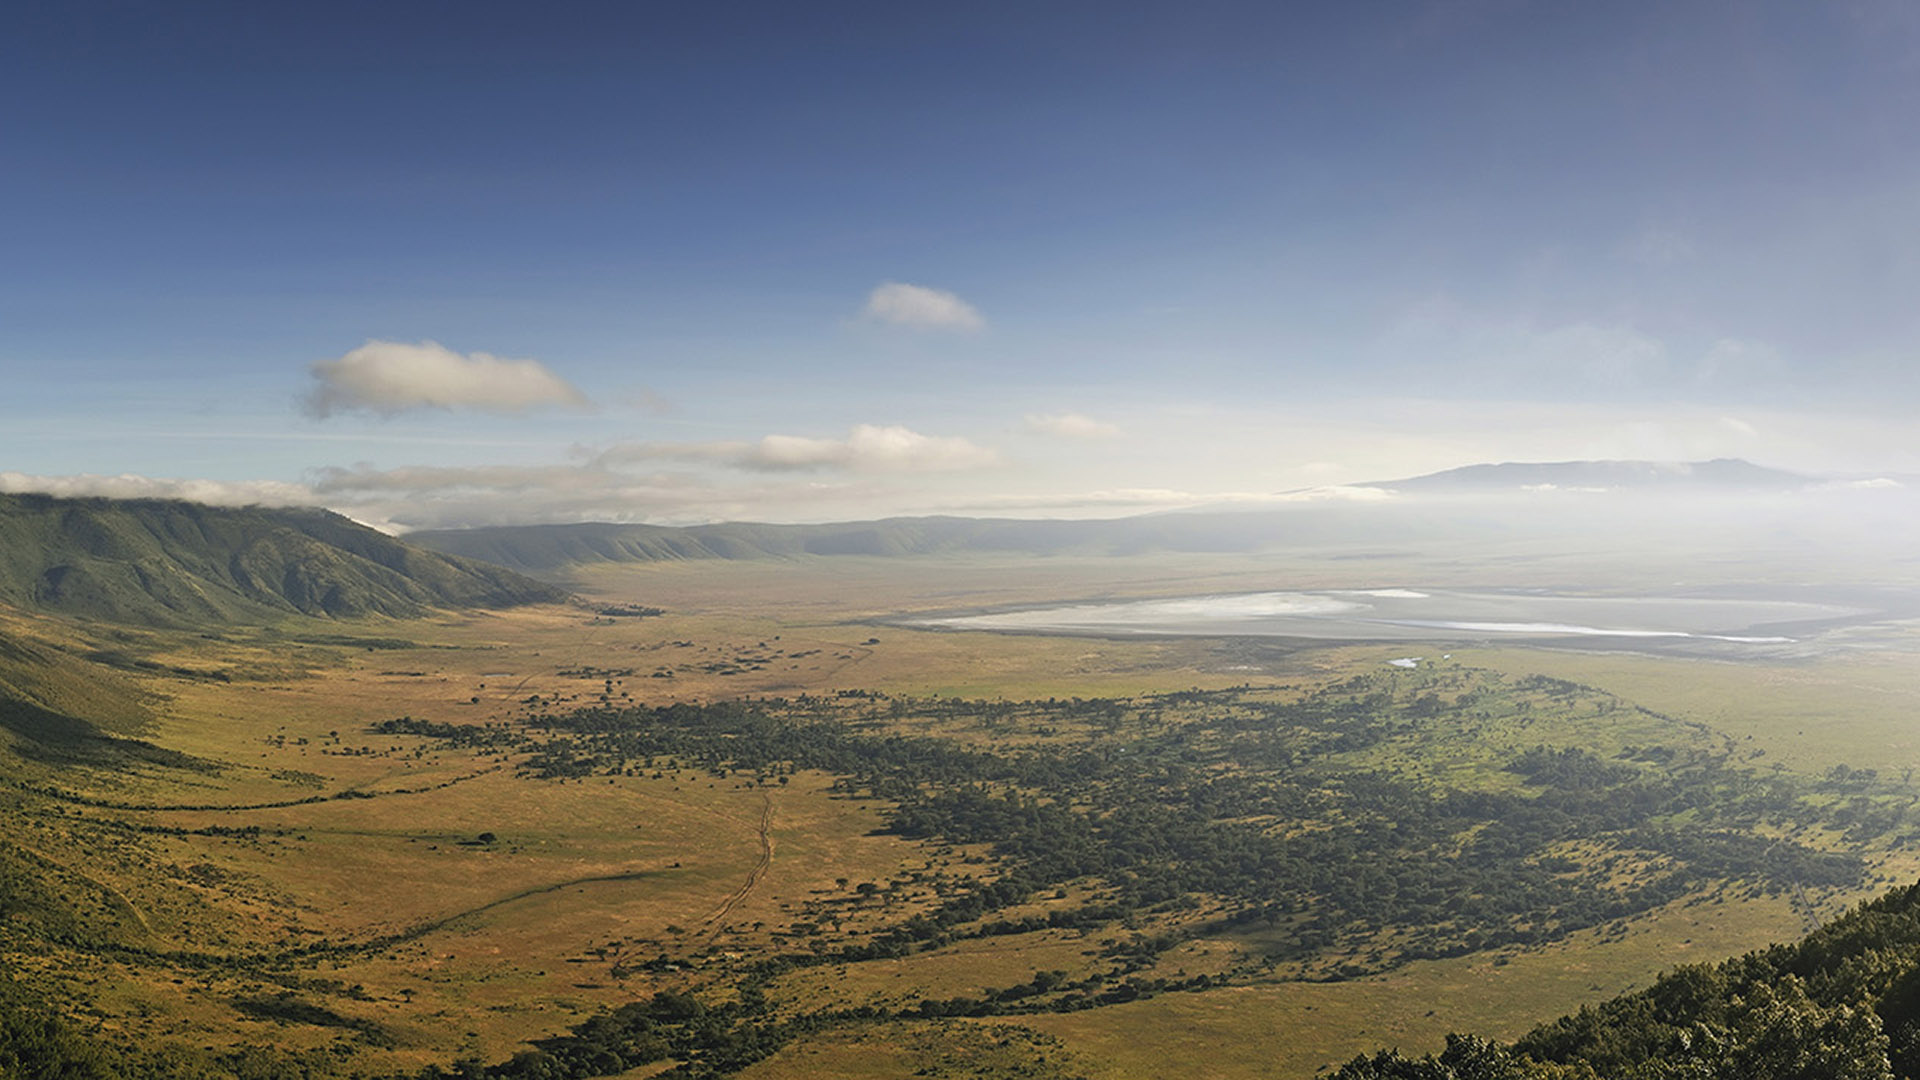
[1296,520]
[1721,473]
[544,548]
[167,562]
[551,549]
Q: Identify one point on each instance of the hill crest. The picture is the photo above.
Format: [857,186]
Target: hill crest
[170,562]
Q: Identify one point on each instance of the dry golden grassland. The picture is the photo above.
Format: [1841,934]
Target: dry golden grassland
[936,1048]
[451,945]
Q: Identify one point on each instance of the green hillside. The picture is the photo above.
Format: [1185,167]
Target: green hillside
[58,707]
[171,563]
[1841,1004]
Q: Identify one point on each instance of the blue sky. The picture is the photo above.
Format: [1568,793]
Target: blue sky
[457,263]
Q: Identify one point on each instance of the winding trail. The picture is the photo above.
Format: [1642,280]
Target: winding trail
[369,945]
[1807,911]
[355,792]
[717,919]
[425,928]
[104,886]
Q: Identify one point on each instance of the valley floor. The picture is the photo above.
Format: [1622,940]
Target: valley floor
[398,844]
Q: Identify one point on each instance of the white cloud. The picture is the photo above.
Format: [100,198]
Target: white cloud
[388,377]
[1071,425]
[427,497]
[1338,493]
[873,447]
[867,448]
[777,452]
[917,305]
[1249,455]
[133,486]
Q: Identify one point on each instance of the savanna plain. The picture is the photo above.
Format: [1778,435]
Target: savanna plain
[738,818]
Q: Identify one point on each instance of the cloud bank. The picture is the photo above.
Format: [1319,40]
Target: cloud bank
[1071,425]
[919,306]
[133,486]
[388,377]
[867,448]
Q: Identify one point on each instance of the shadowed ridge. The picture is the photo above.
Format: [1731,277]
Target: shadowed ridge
[172,563]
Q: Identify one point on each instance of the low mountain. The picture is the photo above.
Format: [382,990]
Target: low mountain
[1394,512]
[553,549]
[1723,474]
[546,548]
[171,563]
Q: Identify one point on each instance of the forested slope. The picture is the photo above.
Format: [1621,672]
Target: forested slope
[1841,1004]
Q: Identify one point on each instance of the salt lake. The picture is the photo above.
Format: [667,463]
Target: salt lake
[1404,614]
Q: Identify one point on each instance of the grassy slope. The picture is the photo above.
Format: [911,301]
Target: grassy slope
[165,562]
[36,673]
[58,706]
